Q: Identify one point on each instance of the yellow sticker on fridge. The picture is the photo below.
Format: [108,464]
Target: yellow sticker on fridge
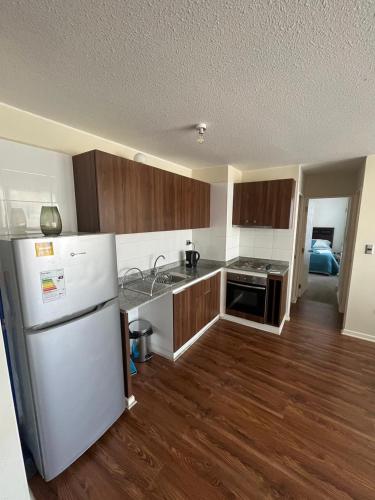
[44,249]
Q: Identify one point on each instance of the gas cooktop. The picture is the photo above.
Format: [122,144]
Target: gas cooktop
[258,265]
[251,265]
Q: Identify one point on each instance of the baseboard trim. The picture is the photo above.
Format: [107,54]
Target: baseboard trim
[190,342]
[162,352]
[130,402]
[358,335]
[263,327]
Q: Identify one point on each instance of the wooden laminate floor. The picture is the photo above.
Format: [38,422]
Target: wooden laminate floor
[242,415]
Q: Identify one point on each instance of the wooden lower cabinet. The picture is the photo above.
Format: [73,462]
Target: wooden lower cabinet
[194,308]
[277,288]
[126,354]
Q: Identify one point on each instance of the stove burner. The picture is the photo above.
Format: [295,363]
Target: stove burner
[252,265]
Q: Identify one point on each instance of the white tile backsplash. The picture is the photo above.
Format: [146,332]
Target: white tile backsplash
[261,243]
[31,177]
[141,249]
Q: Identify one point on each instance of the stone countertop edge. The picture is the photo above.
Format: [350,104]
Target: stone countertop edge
[129,299]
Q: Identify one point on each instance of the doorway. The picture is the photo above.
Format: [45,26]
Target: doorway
[323,229]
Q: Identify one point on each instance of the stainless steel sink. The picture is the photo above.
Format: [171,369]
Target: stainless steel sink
[176,277]
[167,278]
[151,284]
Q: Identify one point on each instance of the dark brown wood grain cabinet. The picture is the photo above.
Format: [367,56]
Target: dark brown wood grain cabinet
[264,203]
[117,195]
[183,317]
[277,289]
[195,204]
[126,354]
[166,201]
[193,308]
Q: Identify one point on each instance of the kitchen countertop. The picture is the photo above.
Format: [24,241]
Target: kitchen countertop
[130,299]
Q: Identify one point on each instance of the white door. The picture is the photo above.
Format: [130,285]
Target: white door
[65,275]
[78,385]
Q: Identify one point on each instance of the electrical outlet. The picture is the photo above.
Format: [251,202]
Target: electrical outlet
[369,249]
[188,242]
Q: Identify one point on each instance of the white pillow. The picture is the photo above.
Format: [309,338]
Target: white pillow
[322,244]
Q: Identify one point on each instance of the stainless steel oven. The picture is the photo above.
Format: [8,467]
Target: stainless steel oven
[246,296]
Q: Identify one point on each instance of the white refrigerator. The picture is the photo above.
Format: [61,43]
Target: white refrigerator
[63,327]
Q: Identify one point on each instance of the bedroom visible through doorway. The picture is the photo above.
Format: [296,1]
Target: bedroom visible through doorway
[326,228]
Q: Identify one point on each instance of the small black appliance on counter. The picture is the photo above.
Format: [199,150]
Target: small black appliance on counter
[192,257]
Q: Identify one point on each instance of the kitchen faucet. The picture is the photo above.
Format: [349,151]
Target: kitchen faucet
[154,271]
[127,272]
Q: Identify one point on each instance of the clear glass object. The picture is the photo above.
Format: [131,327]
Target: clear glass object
[50,221]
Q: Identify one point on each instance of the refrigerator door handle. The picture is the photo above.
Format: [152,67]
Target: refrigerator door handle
[69,319]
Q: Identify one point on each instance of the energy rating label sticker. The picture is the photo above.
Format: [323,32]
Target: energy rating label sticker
[53,285]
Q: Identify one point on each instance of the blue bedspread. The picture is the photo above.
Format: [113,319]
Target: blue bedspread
[323,261]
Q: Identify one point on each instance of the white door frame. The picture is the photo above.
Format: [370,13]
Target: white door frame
[300,245]
[348,248]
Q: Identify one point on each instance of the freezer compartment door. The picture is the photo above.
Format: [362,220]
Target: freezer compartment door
[78,386]
[62,276]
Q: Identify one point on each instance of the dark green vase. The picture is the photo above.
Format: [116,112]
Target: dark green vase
[50,221]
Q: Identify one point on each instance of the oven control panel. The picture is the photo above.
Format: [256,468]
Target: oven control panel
[247,278]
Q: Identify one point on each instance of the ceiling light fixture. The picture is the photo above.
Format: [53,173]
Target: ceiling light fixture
[201,127]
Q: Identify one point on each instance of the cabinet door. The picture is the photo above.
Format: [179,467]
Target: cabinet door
[195,204]
[201,204]
[137,195]
[86,195]
[252,209]
[284,195]
[214,297]
[110,178]
[237,195]
[207,298]
[277,289]
[166,200]
[202,298]
[183,317]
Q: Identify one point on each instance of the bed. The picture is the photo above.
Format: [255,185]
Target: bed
[322,259]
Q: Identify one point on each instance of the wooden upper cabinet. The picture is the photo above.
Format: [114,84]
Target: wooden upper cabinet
[110,184]
[195,200]
[283,192]
[166,203]
[117,195]
[264,203]
[237,197]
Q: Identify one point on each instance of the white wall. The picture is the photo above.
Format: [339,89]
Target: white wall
[221,240]
[13,484]
[28,128]
[29,178]
[343,181]
[360,313]
[331,212]
[211,242]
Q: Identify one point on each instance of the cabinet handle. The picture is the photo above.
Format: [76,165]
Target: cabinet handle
[254,221]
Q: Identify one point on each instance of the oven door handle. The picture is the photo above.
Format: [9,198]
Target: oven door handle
[255,287]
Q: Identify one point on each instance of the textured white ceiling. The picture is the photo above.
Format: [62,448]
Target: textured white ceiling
[278,82]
